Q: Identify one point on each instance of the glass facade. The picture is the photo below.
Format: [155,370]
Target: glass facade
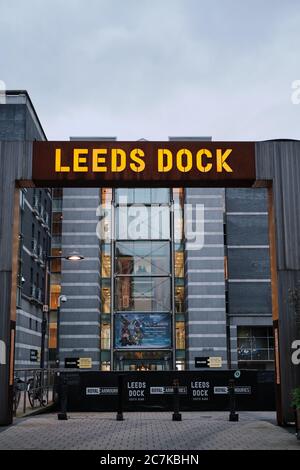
[255,346]
[55,270]
[142,288]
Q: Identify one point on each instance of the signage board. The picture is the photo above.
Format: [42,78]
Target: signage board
[142,331]
[34,355]
[198,390]
[140,163]
[78,363]
[208,362]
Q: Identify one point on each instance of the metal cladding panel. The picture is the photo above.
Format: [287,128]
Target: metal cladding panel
[280,161]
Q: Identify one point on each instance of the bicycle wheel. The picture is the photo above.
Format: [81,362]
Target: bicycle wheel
[31,392]
[16,398]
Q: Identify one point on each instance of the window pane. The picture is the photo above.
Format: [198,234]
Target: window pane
[143,195]
[105,298]
[179,264]
[180,335]
[105,336]
[143,294]
[179,299]
[140,222]
[105,261]
[141,258]
[106,195]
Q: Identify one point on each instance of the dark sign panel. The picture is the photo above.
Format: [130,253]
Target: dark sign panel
[201,362]
[143,331]
[71,362]
[94,164]
[198,390]
[34,355]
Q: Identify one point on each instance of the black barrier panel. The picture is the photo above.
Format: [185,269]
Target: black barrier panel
[146,391]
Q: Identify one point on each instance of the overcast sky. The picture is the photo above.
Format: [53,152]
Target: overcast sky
[155,68]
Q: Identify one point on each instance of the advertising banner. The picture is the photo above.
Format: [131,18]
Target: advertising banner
[146,391]
[143,331]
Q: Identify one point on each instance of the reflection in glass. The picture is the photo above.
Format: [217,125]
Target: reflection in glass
[255,344]
[180,335]
[105,335]
[143,294]
[106,195]
[143,195]
[105,260]
[143,258]
[179,264]
[139,222]
[179,299]
[105,297]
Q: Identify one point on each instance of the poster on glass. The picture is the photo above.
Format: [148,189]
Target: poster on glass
[142,331]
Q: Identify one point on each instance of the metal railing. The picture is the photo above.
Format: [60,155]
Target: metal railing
[33,389]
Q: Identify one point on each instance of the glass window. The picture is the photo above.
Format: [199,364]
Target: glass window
[179,299]
[105,260]
[139,222]
[179,264]
[180,335]
[52,335]
[55,291]
[105,335]
[143,195]
[178,196]
[106,195]
[143,258]
[56,263]
[180,365]
[105,366]
[105,297]
[143,294]
[255,344]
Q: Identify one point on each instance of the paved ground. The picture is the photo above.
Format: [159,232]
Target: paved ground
[202,430]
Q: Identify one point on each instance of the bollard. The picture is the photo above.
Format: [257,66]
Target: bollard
[233,416]
[120,398]
[176,415]
[62,415]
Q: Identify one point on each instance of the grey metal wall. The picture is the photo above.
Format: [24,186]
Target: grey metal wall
[15,163]
[280,161]
[18,122]
[80,315]
[205,281]
[248,261]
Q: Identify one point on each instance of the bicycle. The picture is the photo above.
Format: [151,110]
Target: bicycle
[36,391]
[18,387]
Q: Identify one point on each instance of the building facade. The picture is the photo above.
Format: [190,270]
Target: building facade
[19,122]
[170,277]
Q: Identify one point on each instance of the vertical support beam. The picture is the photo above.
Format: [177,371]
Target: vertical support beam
[173,309]
[112,282]
[275,304]
[10,206]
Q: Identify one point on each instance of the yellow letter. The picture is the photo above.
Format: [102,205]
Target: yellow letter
[221,161]
[78,160]
[98,160]
[114,156]
[58,167]
[169,164]
[139,164]
[200,166]
[189,160]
